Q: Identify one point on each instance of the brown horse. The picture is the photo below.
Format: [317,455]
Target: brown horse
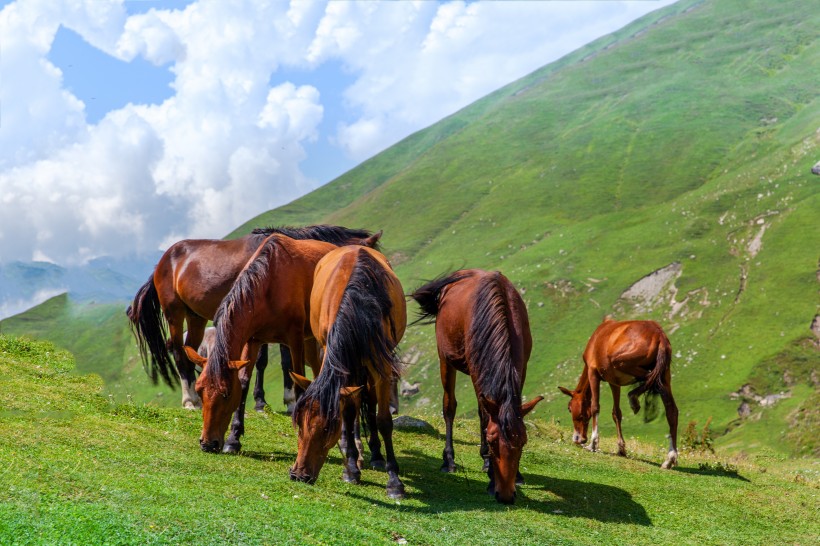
[358,314]
[268,303]
[188,285]
[623,353]
[482,330]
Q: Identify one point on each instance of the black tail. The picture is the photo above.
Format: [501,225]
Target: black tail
[358,336]
[148,326]
[428,295]
[653,385]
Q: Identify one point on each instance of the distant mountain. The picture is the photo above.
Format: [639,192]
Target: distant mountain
[26,284]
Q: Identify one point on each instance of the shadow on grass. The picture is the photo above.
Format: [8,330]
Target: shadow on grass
[706,470]
[467,490]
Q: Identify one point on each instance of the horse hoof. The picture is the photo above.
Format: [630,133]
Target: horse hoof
[355,479]
[396,493]
[260,407]
[232,448]
[448,468]
[191,406]
[378,464]
[519,479]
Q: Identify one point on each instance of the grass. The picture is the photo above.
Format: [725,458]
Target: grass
[80,469]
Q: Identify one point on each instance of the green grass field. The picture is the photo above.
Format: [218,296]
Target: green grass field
[78,468]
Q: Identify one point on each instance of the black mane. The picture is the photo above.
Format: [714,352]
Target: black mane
[493,353]
[336,235]
[239,300]
[357,336]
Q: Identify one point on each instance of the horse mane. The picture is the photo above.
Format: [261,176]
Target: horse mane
[428,295]
[239,300]
[356,336]
[491,353]
[336,235]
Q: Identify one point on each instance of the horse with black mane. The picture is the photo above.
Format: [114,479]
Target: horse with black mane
[268,303]
[482,330]
[358,315]
[187,286]
[624,353]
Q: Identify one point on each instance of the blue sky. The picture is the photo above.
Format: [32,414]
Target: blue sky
[125,126]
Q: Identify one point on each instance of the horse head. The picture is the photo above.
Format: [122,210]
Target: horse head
[219,401]
[579,409]
[506,438]
[317,432]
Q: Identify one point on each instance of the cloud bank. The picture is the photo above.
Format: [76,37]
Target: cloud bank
[229,142]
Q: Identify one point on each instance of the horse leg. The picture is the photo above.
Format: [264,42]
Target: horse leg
[289,397]
[351,472]
[259,384]
[594,407]
[384,422]
[617,416]
[232,444]
[671,418]
[394,396]
[376,459]
[448,405]
[485,447]
[187,370]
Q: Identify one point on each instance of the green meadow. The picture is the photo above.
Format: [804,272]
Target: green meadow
[661,172]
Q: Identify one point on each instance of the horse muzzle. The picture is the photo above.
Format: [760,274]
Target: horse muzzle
[214,446]
[578,439]
[303,477]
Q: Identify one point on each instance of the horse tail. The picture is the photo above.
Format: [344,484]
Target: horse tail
[358,335]
[653,384]
[492,349]
[148,326]
[428,296]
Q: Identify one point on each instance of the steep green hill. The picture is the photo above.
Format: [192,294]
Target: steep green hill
[680,145]
[683,141]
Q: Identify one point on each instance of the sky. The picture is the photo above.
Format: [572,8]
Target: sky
[126,126]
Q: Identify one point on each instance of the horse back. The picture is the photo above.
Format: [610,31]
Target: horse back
[623,351]
[200,272]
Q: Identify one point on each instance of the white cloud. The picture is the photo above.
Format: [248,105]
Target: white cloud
[227,145]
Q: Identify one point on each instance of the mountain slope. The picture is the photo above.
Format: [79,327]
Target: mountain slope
[686,138]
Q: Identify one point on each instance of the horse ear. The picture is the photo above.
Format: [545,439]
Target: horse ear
[195,357]
[490,406]
[565,391]
[238,364]
[526,408]
[373,240]
[301,381]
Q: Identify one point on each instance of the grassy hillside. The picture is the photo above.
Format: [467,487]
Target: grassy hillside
[685,138]
[681,143]
[80,469]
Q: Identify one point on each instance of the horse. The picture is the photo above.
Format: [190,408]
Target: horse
[483,330]
[268,303]
[187,286]
[624,353]
[816,168]
[358,315]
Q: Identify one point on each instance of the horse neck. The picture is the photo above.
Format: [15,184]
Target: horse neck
[583,382]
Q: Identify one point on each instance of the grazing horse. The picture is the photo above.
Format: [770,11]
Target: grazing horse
[624,353]
[268,303]
[358,315]
[188,285]
[482,330]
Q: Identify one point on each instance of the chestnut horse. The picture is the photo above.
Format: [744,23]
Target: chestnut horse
[358,315]
[624,353]
[482,330]
[268,303]
[188,285]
